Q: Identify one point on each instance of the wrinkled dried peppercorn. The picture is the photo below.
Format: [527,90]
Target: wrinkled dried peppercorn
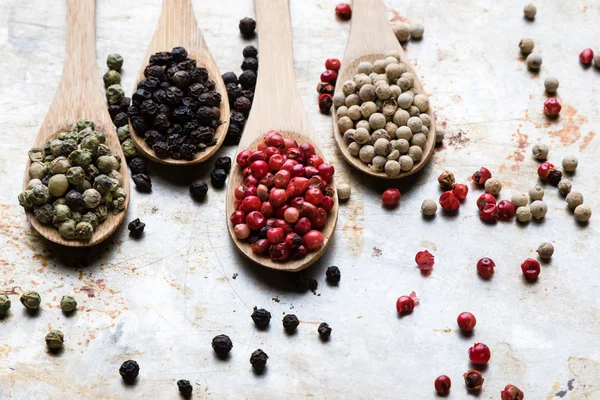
[258,359]
[261,317]
[137,165]
[290,323]
[113,111]
[247,27]
[185,388]
[218,177]
[142,182]
[301,281]
[234,134]
[222,344]
[121,119]
[161,149]
[333,274]
[238,119]
[248,79]
[250,63]
[554,177]
[136,227]
[324,330]
[250,51]
[243,105]
[223,163]
[129,371]
[125,103]
[198,189]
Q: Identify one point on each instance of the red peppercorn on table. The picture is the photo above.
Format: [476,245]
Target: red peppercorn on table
[162,298]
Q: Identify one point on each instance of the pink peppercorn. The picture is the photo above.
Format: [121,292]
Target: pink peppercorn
[552,107]
[506,210]
[329,76]
[586,56]
[449,202]
[424,260]
[343,11]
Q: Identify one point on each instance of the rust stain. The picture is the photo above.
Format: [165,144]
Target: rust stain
[13,291]
[586,141]
[397,17]
[569,133]
[101,284]
[43,260]
[353,228]
[34,283]
[518,155]
[88,290]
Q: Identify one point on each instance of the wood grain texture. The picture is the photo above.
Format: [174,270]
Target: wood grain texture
[177,26]
[277,106]
[79,95]
[371,37]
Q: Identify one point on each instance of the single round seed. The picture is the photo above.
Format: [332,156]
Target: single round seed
[523,214]
[551,84]
[519,199]
[569,163]
[574,199]
[536,192]
[526,46]
[534,62]
[429,207]
[540,151]
[583,213]
[545,250]
[529,11]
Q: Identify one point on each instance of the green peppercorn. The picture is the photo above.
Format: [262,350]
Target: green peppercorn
[115,94]
[84,231]
[123,133]
[129,149]
[114,62]
[84,123]
[68,304]
[55,340]
[67,229]
[4,304]
[44,213]
[31,300]
[111,78]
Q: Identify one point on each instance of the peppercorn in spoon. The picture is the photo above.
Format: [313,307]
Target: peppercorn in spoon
[78,96]
[370,121]
[278,107]
[183,122]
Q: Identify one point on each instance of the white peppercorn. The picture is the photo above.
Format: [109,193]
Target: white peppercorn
[569,163]
[352,100]
[415,153]
[529,10]
[354,148]
[391,128]
[493,186]
[382,147]
[534,61]
[404,132]
[362,80]
[361,136]
[379,134]
[564,187]
[410,77]
[439,136]
[393,72]
[349,135]
[392,168]
[343,191]
[349,87]
[378,67]
[344,124]
[367,109]
[383,91]
[401,145]
[365,67]
[403,83]
[394,155]
[574,199]
[402,31]
[538,209]
[405,100]
[519,199]
[419,139]
[424,129]
[379,104]
[421,102]
[540,151]
[366,153]
[415,124]
[429,207]
[536,192]
[416,31]
[545,250]
[373,76]
[378,163]
[526,46]
[551,84]
[363,124]
[413,111]
[393,53]
[342,112]
[583,213]
[597,60]
[406,163]
[396,91]
[389,60]
[354,113]
[401,118]
[377,121]
[523,214]
[367,93]
[380,80]
[426,119]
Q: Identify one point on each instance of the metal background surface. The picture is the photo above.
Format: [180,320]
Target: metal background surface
[161,299]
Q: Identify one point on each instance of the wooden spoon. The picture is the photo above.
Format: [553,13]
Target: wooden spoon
[178,27]
[79,95]
[371,37]
[277,106]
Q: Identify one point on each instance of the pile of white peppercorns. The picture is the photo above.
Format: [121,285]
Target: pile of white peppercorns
[382,117]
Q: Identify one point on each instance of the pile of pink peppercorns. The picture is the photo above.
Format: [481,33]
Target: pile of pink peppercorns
[284,200]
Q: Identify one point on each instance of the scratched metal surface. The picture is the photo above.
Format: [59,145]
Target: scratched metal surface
[161,299]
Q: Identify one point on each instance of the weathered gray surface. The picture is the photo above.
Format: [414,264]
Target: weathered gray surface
[161,299]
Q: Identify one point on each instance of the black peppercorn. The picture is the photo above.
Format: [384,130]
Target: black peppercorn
[249,94]
[151,84]
[162,58]
[74,200]
[121,119]
[234,134]
[140,95]
[247,27]
[233,92]
[138,124]
[290,323]
[218,177]
[179,54]
[238,119]
[185,388]
[324,330]
[173,95]
[242,105]
[221,344]
[248,79]
[196,90]
[554,177]
[161,123]
[137,165]
[113,110]
[142,182]
[250,51]
[125,103]
[161,149]
[181,79]
[149,109]
[261,317]
[204,114]
[250,63]
[258,359]
[188,151]
[333,274]
[198,189]
[133,110]
[156,71]
[136,227]
[223,163]
[152,137]
[229,77]
[129,371]
[303,282]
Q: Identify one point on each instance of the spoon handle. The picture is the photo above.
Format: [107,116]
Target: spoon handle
[177,26]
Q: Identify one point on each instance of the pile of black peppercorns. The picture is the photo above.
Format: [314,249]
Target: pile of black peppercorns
[175,108]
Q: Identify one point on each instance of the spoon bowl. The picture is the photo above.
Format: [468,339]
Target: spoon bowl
[178,27]
[371,37]
[277,106]
[79,95]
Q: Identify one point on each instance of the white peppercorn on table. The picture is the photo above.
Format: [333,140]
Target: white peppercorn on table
[161,299]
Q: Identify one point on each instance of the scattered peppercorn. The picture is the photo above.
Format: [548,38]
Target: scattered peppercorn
[511,392]
[405,305]
[538,209]
[31,300]
[114,62]
[485,267]
[343,191]
[442,385]
[583,213]
[68,304]
[185,388]
[223,163]
[460,191]
[343,11]
[449,202]
[519,199]
[569,163]
[54,340]
[473,380]
[424,260]
[258,359]
[545,250]
[586,57]
[241,89]
[198,189]
[390,197]
[129,371]
[551,84]
[416,31]
[247,27]
[552,107]
[534,61]
[428,208]
[481,176]
[303,282]
[526,46]
[290,323]
[333,274]
[4,304]
[540,151]
[138,166]
[218,177]
[574,199]
[222,344]
[564,187]
[142,182]
[261,317]
[446,180]
[536,192]
[493,186]
[529,10]
[402,31]
[324,330]
[136,228]
[531,269]
[479,354]
[523,214]
[325,103]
